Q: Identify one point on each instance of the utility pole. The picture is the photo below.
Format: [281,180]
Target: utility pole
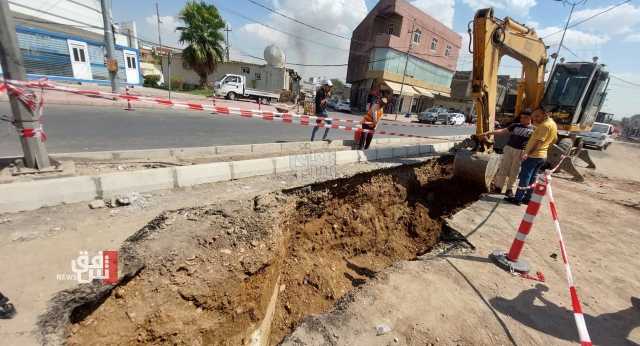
[168,55]
[564,31]
[112,63]
[227,41]
[35,152]
[406,62]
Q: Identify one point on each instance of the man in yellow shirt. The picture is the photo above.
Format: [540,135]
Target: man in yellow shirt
[535,154]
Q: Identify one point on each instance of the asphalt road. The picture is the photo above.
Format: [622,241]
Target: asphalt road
[86,128]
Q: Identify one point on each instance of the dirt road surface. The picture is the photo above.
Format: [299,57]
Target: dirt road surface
[451,295]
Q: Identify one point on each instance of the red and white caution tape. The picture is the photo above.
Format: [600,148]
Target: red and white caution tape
[578,316]
[290,118]
[34,104]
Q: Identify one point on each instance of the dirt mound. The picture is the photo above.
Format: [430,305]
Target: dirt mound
[211,273]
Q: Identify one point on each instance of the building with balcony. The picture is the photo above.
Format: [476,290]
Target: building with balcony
[403,50]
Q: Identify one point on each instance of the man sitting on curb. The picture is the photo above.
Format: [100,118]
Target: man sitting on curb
[534,154]
[511,157]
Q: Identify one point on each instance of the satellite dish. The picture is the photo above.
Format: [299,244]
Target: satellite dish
[274,56]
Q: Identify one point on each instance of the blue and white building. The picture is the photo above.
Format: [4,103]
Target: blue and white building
[64,41]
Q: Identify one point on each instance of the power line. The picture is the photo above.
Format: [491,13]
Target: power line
[626,81]
[588,18]
[297,21]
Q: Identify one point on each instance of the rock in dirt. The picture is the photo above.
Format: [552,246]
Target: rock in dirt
[97,204]
[4,220]
[123,201]
[382,329]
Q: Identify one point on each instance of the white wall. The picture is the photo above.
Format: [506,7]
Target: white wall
[86,14]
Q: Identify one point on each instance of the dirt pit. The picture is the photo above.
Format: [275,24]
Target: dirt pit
[210,275]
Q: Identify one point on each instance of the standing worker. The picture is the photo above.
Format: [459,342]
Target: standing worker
[370,121]
[322,99]
[519,133]
[534,154]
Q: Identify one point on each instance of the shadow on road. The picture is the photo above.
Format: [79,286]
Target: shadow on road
[533,310]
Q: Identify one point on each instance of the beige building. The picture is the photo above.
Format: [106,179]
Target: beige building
[261,77]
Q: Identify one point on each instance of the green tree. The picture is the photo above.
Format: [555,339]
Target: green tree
[202,31]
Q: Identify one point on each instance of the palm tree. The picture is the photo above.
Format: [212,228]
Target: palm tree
[202,32]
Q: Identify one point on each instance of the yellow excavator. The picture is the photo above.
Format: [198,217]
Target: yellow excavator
[574,93]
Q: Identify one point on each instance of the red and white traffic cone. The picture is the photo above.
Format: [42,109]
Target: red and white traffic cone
[511,261]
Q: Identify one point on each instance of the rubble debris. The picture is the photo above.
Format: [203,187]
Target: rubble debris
[4,220]
[382,329]
[97,204]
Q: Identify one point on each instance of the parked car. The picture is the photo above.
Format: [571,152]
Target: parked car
[599,137]
[430,115]
[456,119]
[343,106]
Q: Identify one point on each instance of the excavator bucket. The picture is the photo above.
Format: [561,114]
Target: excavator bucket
[476,167]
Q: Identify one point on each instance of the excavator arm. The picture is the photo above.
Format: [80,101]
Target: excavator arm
[494,38]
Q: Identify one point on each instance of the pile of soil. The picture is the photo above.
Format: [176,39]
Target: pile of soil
[211,272]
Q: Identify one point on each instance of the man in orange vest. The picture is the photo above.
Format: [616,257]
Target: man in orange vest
[370,121]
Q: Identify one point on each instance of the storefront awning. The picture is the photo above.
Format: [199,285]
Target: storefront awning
[423,92]
[407,90]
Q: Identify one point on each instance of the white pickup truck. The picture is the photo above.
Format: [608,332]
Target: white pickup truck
[233,86]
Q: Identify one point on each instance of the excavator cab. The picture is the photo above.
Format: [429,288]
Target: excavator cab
[575,94]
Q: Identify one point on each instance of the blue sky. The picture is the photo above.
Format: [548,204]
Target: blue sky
[613,37]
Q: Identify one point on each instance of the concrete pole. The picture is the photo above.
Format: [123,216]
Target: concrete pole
[35,152]
[564,32]
[108,40]
[406,62]
[168,55]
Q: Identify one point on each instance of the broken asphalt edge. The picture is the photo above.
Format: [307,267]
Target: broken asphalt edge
[31,195]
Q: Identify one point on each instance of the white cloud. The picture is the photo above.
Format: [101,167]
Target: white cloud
[633,37]
[620,20]
[585,45]
[337,16]
[514,7]
[441,10]
[168,24]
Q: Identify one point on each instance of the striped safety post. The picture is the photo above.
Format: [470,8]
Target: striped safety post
[511,261]
[578,316]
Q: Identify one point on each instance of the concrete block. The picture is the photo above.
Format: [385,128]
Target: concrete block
[413,150]
[251,168]
[233,149]
[384,153]
[32,195]
[442,147]
[203,174]
[137,181]
[284,164]
[266,148]
[370,154]
[399,151]
[426,149]
[93,155]
[346,157]
[297,146]
[190,153]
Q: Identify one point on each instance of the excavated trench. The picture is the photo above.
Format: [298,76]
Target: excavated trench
[248,272]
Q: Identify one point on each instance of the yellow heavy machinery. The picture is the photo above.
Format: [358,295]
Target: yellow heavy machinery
[574,93]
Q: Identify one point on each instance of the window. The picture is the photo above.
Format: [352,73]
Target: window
[258,76]
[245,70]
[133,62]
[417,35]
[434,44]
[82,58]
[447,52]
[129,64]
[76,55]
[391,29]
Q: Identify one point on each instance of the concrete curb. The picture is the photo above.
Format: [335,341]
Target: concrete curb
[200,152]
[32,195]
